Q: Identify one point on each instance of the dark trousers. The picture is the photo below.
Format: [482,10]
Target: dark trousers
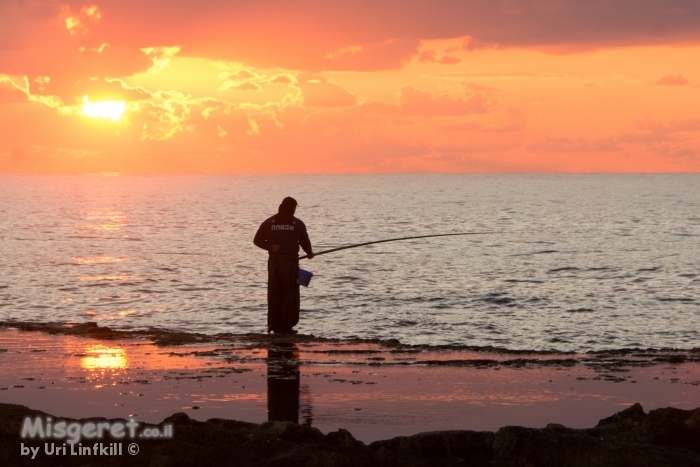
[282,293]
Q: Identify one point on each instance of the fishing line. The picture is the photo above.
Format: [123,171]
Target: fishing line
[402,238]
[446,235]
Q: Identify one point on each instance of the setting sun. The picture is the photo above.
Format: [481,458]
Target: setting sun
[105,109]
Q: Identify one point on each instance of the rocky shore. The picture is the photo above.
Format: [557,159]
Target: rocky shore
[662,437]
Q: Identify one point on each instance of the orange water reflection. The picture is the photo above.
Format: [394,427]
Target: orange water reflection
[101,227]
[111,277]
[108,220]
[115,315]
[99,259]
[100,357]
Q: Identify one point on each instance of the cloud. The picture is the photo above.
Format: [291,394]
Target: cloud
[318,92]
[321,35]
[684,153]
[78,23]
[478,87]
[642,138]
[685,124]
[568,145]
[425,104]
[9,93]
[23,85]
[387,54]
[402,122]
[673,80]
[240,86]
[35,40]
[241,80]
[317,33]
[161,57]
[430,56]
[240,75]
[673,126]
[282,79]
[514,121]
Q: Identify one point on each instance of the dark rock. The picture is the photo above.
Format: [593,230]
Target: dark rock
[667,427]
[556,446]
[661,438]
[214,442]
[443,448]
[628,416]
[664,437]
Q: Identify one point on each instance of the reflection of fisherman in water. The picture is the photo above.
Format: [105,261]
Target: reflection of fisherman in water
[284,391]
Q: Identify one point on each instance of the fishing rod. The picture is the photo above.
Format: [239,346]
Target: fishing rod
[399,239]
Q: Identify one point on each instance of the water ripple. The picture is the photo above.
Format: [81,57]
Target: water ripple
[583,263]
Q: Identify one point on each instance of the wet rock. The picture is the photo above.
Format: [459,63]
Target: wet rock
[443,448]
[667,427]
[629,438]
[557,446]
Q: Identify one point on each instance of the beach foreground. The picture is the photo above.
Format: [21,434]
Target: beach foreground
[629,438]
[304,400]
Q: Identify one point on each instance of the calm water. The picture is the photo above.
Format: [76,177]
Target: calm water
[583,262]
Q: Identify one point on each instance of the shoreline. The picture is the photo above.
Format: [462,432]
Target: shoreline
[165,337]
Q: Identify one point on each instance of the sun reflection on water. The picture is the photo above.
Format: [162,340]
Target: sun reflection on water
[99,259]
[107,219]
[100,357]
[111,277]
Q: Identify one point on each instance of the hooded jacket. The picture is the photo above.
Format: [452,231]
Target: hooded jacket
[286,231]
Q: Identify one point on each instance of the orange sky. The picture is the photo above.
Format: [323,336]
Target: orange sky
[316,86]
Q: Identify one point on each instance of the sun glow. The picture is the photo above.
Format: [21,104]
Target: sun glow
[105,109]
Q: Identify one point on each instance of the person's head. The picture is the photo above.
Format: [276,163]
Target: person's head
[288,206]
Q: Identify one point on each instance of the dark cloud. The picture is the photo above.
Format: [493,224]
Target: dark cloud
[269,23]
[360,35]
[673,80]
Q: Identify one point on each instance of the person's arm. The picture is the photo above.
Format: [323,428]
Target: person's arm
[305,242]
[260,239]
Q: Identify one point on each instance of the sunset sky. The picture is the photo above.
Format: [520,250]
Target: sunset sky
[319,86]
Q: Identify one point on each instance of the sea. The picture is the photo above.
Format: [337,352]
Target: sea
[555,262]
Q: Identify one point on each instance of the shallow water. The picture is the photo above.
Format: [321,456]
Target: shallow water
[376,392]
[580,262]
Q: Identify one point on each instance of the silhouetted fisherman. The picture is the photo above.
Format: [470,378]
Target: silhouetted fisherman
[281,236]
